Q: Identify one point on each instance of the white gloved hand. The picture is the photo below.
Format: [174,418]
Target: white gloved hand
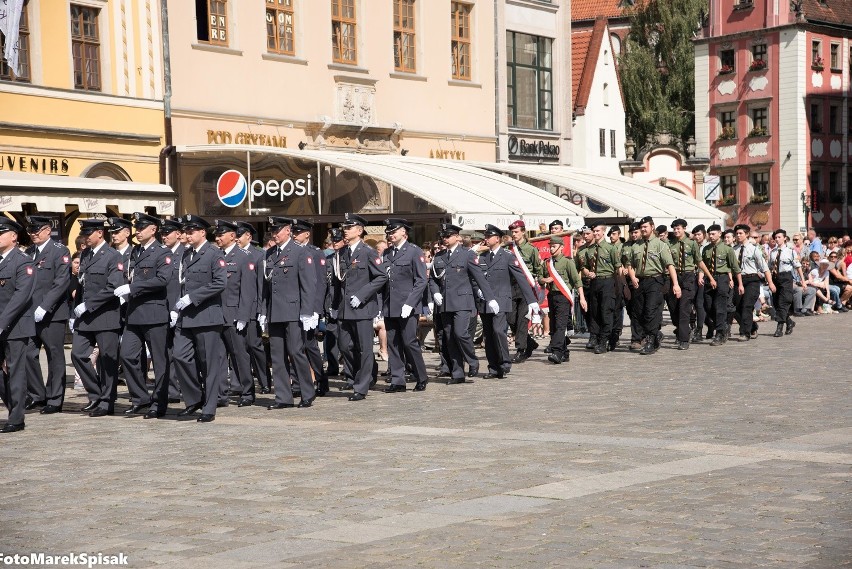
[241,325]
[183,302]
[308,322]
[431,307]
[123,290]
[71,324]
[333,313]
[315,319]
[122,300]
[439,298]
[479,294]
[354,302]
[261,319]
[406,311]
[493,307]
[533,308]
[80,309]
[39,314]
[536,318]
[173,316]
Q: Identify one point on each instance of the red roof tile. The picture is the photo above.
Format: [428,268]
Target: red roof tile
[591,9]
[830,11]
[585,48]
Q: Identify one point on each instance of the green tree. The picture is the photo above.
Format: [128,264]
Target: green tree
[657,68]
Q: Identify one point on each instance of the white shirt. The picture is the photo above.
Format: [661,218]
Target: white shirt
[123,251]
[175,247]
[229,249]
[98,248]
[352,247]
[42,246]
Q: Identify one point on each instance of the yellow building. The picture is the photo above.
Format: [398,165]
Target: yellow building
[88,105]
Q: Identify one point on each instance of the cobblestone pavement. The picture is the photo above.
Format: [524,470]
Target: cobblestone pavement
[737,456]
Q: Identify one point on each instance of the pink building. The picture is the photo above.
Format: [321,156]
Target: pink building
[773,111]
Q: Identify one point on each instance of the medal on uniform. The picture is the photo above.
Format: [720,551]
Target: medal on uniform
[2,282]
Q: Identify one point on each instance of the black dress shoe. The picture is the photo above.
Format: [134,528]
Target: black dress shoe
[790,325]
[779,330]
[51,409]
[548,350]
[719,340]
[455,380]
[745,337]
[357,397]
[206,418]
[10,428]
[154,414]
[473,372]
[190,410]
[100,412]
[520,357]
[223,403]
[683,345]
[136,409]
[554,358]
[648,348]
[34,404]
[443,374]
[265,390]
[493,376]
[305,403]
[245,403]
[276,406]
[347,387]
[421,386]
[395,389]
[90,406]
[600,348]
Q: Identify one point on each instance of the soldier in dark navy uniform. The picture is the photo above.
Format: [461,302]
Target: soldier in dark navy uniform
[453,271]
[502,270]
[402,304]
[171,231]
[150,270]
[359,278]
[97,321]
[239,299]
[199,352]
[332,327]
[288,309]
[52,264]
[247,239]
[17,279]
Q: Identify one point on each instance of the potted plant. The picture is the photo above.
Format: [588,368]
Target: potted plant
[726,70]
[758,131]
[727,133]
[727,200]
[818,64]
[759,198]
[757,64]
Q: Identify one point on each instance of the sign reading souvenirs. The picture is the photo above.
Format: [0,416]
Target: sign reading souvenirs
[33,164]
[250,138]
[534,149]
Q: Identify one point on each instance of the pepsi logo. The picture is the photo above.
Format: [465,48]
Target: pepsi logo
[231,188]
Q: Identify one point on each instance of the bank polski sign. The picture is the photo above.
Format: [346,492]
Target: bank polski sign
[233,189]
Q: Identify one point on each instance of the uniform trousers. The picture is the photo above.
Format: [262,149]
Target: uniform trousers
[135,364]
[649,299]
[287,342]
[494,329]
[332,353]
[520,324]
[700,313]
[403,348]
[600,298]
[745,303]
[101,385]
[315,359]
[356,346]
[636,330]
[716,301]
[15,379]
[238,351]
[443,343]
[459,343]
[51,335]
[680,309]
[618,312]
[199,356]
[174,382]
[560,319]
[782,298]
[257,351]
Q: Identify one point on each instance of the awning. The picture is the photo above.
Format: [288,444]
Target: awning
[52,193]
[612,196]
[472,196]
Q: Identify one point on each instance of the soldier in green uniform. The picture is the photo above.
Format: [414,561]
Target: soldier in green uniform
[722,263]
[601,263]
[614,235]
[636,330]
[648,260]
[687,258]
[518,320]
[561,278]
[580,314]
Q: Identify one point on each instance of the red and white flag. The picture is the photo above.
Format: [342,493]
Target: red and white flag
[10,20]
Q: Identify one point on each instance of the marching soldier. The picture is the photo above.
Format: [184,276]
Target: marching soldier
[600,265]
[171,231]
[119,231]
[302,236]
[149,272]
[636,329]
[238,300]
[580,314]
[722,263]
[530,263]
[753,266]
[699,235]
[288,309]
[97,319]
[403,301]
[453,270]
[782,262]
[332,327]
[359,278]
[614,235]
[199,353]
[52,264]
[561,277]
[648,259]
[687,257]
[247,239]
[17,280]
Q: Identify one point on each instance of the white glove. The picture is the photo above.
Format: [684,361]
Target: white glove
[533,308]
[315,321]
[493,307]
[183,302]
[123,290]
[122,300]
[79,309]
[71,324]
[173,316]
[241,325]
[354,302]
[439,298]
[308,322]
[479,294]
[431,307]
[261,319]
[39,313]
[536,318]
[406,311]
[333,313]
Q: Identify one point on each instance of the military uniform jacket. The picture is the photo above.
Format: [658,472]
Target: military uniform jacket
[53,280]
[502,272]
[17,280]
[649,258]
[452,276]
[125,261]
[530,255]
[407,279]
[240,295]
[100,274]
[318,258]
[150,272]
[257,254]
[359,274]
[602,258]
[568,271]
[720,258]
[332,292]
[203,280]
[290,283]
[685,253]
[174,286]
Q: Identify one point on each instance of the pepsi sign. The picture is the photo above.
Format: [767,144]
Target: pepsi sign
[233,189]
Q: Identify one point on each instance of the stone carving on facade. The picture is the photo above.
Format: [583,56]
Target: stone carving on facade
[356,104]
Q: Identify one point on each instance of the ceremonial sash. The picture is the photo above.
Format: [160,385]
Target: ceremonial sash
[537,290]
[559,282]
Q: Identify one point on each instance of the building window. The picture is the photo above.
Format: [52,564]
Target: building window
[602,140]
[834,56]
[343,33]
[606,94]
[280,36]
[530,80]
[758,57]
[6,73]
[834,119]
[460,43]
[85,48]
[759,121]
[816,117]
[816,189]
[835,193]
[760,186]
[728,125]
[404,44]
[612,143]
[211,19]
[728,187]
[816,54]
[727,61]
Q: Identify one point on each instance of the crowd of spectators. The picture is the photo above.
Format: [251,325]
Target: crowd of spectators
[827,266]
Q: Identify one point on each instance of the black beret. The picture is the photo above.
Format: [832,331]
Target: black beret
[556,222]
[635,226]
[662,229]
[700,227]
[777,231]
[678,223]
[714,227]
[742,226]
[647,219]
[613,229]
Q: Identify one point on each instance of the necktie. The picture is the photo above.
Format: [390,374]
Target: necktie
[393,252]
[644,259]
[491,258]
[777,261]
[191,255]
[597,255]
[682,261]
[742,250]
[713,259]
